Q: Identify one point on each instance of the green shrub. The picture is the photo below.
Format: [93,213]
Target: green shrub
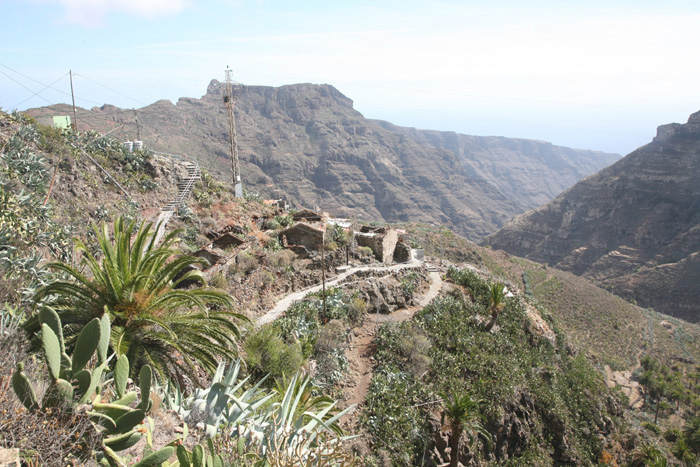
[273,245]
[332,364]
[357,308]
[673,434]
[478,287]
[284,221]
[409,284]
[247,262]
[267,278]
[218,281]
[300,323]
[252,196]
[272,224]
[266,352]
[365,251]
[337,235]
[281,259]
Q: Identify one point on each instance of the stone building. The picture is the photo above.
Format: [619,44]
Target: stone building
[381,241]
[302,235]
[307,216]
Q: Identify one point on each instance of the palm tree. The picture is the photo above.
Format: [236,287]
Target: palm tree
[461,414]
[497,296]
[648,455]
[682,452]
[153,321]
[691,434]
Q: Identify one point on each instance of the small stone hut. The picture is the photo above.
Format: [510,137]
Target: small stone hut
[213,256]
[381,241]
[228,240]
[302,235]
[307,216]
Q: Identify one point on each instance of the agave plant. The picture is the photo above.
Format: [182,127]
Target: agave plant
[153,321]
[225,402]
[284,427]
[291,427]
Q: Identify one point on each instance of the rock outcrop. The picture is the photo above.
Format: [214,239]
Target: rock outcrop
[634,227]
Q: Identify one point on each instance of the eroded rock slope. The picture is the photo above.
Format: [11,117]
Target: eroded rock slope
[634,227]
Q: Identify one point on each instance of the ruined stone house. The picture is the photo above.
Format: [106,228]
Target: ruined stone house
[228,240]
[302,235]
[382,241]
[307,216]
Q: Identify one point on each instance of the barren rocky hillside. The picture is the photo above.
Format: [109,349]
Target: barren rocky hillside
[308,143]
[633,227]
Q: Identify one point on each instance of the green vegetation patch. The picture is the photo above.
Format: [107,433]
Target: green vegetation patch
[557,401]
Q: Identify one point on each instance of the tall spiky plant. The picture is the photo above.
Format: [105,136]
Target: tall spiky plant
[461,414]
[154,322]
[497,296]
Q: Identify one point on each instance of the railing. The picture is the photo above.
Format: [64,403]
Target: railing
[184,190]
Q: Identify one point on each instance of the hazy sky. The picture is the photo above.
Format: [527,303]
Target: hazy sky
[587,74]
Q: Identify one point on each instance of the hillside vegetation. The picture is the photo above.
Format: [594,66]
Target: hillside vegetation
[119,352]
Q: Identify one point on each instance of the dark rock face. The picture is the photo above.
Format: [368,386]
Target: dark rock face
[634,226]
[306,142]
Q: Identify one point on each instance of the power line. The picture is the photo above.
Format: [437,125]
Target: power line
[110,89]
[21,74]
[39,92]
[25,87]
[50,86]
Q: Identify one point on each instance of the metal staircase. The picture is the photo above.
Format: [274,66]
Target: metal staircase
[184,189]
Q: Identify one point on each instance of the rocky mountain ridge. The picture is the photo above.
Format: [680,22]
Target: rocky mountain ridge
[307,143]
[634,227]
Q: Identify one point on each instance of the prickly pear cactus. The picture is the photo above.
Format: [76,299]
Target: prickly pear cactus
[74,383]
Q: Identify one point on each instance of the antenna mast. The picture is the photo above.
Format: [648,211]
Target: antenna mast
[138,129]
[228,102]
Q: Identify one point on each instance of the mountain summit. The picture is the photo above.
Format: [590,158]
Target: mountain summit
[633,227]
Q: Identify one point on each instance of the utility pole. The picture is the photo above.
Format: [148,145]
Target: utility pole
[323,272]
[138,129]
[235,168]
[72,95]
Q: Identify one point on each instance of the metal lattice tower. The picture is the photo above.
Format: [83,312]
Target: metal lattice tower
[235,168]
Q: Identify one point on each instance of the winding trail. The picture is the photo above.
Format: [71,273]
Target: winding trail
[361,345]
[361,349]
[287,301]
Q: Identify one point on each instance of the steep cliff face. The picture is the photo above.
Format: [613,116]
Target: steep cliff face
[528,172]
[306,142]
[634,226]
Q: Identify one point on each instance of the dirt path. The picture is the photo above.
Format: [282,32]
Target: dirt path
[361,350]
[287,301]
[361,346]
